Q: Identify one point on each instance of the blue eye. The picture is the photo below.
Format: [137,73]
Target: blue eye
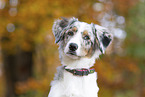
[70,33]
[86,37]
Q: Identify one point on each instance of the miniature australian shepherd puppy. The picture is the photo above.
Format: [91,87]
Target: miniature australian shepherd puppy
[80,44]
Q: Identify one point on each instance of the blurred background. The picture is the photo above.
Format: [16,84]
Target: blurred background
[29,56]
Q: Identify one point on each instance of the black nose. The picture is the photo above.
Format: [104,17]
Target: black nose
[73,46]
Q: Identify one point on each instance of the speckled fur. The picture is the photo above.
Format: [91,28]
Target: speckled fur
[91,41]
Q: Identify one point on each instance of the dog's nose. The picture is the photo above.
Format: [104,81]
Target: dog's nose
[73,46]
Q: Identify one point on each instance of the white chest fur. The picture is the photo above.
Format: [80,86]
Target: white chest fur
[67,85]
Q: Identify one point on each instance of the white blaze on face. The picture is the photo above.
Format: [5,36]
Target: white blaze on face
[74,39]
[80,38]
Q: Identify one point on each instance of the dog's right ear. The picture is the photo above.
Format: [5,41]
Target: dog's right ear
[57,28]
[60,26]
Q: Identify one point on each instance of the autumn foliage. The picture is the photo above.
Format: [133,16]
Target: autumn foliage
[26,26]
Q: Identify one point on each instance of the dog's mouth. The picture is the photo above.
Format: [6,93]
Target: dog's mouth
[71,53]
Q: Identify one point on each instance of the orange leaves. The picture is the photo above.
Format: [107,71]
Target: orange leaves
[31,85]
[123,6]
[116,73]
[108,72]
[26,46]
[33,30]
[114,70]
[34,19]
[133,68]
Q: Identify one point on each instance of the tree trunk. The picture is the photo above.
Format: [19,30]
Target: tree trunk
[17,67]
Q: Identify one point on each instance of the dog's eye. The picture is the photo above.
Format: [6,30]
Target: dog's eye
[70,33]
[86,37]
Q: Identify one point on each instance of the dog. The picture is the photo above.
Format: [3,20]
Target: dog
[80,44]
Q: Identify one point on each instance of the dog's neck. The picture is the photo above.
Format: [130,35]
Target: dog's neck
[82,62]
[79,63]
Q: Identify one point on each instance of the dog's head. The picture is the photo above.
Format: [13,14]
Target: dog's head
[79,39]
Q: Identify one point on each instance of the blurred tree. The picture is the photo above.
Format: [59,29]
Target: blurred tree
[136,35]
[17,45]
[136,42]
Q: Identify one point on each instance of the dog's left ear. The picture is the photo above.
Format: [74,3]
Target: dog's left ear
[103,37]
[60,26]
